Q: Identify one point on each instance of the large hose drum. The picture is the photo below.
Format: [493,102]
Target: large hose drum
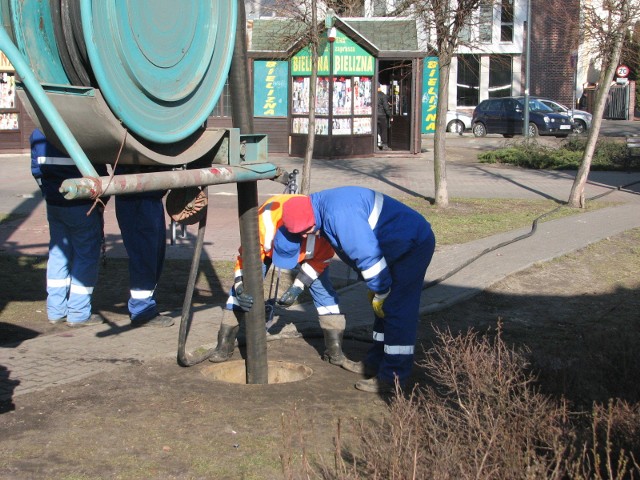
[144,72]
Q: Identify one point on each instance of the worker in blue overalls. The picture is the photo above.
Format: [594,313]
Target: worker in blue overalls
[391,246]
[144,235]
[76,233]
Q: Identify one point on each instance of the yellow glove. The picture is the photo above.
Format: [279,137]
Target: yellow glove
[377,300]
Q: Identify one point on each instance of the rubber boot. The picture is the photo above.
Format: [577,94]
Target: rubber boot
[226,343]
[333,346]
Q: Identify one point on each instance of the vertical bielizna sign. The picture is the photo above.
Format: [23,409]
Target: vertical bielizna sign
[430,80]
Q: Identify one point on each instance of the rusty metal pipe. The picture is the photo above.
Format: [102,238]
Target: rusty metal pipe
[88,187]
[257,365]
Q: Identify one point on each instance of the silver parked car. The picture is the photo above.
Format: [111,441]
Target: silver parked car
[581,119]
[458,122]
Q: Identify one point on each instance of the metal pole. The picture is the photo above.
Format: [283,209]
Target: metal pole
[257,368]
[527,73]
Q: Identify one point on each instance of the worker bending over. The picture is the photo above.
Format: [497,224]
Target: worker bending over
[312,255]
[391,246]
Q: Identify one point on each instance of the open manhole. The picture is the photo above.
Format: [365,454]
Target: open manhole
[236,372]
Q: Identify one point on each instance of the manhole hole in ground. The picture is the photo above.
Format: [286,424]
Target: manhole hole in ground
[236,372]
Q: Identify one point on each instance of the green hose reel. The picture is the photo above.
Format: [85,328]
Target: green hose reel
[159,65]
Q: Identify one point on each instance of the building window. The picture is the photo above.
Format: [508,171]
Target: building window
[468,85]
[223,107]
[485,22]
[500,76]
[506,21]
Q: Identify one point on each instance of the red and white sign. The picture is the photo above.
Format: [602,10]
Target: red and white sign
[623,71]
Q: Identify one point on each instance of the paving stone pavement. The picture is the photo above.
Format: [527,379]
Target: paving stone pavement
[69,356]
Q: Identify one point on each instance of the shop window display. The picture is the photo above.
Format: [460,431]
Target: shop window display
[351,97]
[8,107]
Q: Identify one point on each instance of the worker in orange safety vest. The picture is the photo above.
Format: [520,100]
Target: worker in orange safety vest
[311,256]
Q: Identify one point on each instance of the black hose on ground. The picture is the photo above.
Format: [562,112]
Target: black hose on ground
[188,359]
[534,227]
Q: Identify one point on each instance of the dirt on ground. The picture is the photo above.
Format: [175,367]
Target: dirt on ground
[578,316]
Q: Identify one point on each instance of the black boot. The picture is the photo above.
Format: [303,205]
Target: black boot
[333,346]
[226,342]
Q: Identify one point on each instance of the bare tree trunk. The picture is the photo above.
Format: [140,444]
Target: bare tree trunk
[576,197]
[305,184]
[439,139]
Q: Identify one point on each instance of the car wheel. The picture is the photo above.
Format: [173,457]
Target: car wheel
[479,130]
[455,126]
[533,130]
[579,126]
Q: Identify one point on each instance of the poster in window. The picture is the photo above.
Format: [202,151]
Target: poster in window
[322,96]
[7,90]
[342,96]
[322,126]
[300,125]
[362,126]
[9,121]
[300,95]
[362,95]
[341,126]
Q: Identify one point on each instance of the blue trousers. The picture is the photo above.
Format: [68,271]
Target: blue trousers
[74,256]
[394,336]
[144,234]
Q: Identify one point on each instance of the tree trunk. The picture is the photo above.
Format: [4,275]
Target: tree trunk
[576,196]
[439,139]
[305,184]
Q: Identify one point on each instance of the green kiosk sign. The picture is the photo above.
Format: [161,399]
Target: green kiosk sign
[349,58]
[270,80]
[430,81]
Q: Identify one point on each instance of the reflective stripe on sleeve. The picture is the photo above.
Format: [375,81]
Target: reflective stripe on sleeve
[378,336]
[269,229]
[311,247]
[374,270]
[375,213]
[55,161]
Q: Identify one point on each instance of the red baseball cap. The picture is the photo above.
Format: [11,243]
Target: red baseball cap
[297,214]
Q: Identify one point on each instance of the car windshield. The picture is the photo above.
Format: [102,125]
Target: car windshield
[535,105]
[555,107]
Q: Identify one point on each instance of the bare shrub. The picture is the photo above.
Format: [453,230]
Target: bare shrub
[481,416]
[481,419]
[612,450]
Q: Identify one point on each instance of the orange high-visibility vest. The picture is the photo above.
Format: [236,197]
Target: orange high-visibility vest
[314,259]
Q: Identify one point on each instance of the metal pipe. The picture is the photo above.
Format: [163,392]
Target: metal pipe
[145,182]
[257,367]
[35,90]
[527,78]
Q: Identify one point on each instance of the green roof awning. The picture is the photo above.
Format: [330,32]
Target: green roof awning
[379,35]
